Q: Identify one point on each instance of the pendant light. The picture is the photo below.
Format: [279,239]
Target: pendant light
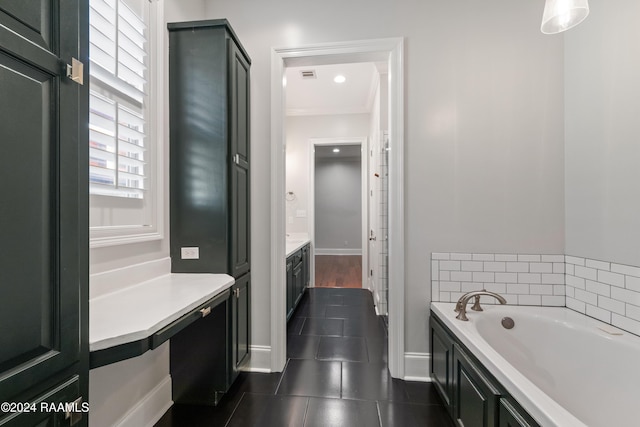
[560,15]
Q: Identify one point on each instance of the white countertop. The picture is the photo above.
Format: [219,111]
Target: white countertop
[139,311]
[294,245]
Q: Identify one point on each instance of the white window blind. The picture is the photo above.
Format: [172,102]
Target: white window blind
[118,102]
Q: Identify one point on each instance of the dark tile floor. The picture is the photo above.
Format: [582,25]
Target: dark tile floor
[336,375]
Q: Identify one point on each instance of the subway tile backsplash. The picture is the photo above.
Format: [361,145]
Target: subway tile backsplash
[604,290]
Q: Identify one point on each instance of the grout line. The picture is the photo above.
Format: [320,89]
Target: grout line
[286,365]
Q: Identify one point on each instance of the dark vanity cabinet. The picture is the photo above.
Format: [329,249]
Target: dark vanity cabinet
[472,396]
[209,167]
[298,276]
[44,352]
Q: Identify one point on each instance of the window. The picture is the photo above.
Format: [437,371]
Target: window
[124,140]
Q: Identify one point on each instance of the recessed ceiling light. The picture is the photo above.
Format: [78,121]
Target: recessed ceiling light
[339,79]
[336,150]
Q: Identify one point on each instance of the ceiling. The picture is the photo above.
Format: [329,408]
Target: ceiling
[346,151]
[321,95]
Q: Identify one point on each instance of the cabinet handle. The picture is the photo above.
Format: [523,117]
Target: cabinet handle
[236,292]
[74,415]
[206,311]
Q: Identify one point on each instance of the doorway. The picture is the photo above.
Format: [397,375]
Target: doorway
[391,52]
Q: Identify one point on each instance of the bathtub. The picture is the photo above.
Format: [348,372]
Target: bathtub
[564,368]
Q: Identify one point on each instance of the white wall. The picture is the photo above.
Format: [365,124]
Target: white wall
[338,204]
[602,110]
[483,125]
[299,129]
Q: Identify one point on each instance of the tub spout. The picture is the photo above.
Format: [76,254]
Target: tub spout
[461,305]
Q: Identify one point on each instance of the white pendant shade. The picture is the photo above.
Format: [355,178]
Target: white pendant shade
[560,15]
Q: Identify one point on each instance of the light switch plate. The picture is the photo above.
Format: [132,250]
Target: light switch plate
[190,253]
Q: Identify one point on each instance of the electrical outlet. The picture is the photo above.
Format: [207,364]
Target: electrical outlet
[190,253]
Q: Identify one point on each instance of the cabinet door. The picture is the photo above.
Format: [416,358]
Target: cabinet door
[43,223]
[442,362]
[510,416]
[475,398]
[240,324]
[290,286]
[239,150]
[298,285]
[306,266]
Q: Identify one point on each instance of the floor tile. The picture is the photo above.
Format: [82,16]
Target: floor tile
[338,413]
[302,346]
[267,410]
[311,378]
[423,393]
[351,349]
[310,310]
[395,414]
[294,326]
[346,312]
[255,382]
[371,381]
[315,326]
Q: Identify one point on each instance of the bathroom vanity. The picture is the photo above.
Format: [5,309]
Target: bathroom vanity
[298,271]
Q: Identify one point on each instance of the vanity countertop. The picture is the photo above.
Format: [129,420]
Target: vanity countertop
[295,244]
[139,311]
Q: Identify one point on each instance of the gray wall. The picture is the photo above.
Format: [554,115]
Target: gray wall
[602,110]
[338,204]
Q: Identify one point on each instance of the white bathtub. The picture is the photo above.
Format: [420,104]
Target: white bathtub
[564,368]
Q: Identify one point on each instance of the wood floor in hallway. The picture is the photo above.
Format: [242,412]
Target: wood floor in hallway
[338,271]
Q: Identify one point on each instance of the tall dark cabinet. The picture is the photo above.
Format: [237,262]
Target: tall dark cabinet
[43,211]
[209,163]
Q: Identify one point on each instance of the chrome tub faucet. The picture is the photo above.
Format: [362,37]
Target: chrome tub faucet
[461,305]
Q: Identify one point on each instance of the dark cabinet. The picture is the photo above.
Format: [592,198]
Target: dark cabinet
[474,396]
[43,213]
[442,363]
[240,325]
[298,273]
[511,415]
[289,286]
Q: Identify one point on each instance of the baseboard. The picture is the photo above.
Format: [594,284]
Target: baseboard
[150,408]
[260,360]
[112,280]
[416,367]
[321,251]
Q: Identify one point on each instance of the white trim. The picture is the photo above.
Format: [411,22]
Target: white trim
[326,111]
[416,367]
[112,280]
[339,251]
[388,50]
[260,360]
[311,209]
[150,408]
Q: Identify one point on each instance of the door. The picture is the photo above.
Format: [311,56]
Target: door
[43,215]
[239,150]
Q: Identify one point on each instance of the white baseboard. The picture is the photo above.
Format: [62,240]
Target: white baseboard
[327,251]
[112,280]
[416,367]
[260,359]
[150,408]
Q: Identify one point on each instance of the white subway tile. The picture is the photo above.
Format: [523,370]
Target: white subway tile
[569,269]
[540,267]
[587,297]
[528,258]
[569,291]
[553,258]
[471,286]
[541,289]
[445,275]
[481,276]
[435,270]
[472,265]
[435,291]
[529,300]
[574,260]
[625,269]
[598,313]
[559,290]
[625,295]
[598,288]
[553,279]
[517,288]
[632,283]
[455,296]
[529,278]
[483,257]
[450,265]
[625,323]
[506,257]
[586,272]
[494,266]
[558,267]
[598,265]
[614,279]
[576,282]
[461,276]
[576,305]
[633,312]
[506,277]
[518,267]
[450,286]
[611,305]
[445,297]
[499,288]
[511,299]
[553,300]
[439,255]
[460,257]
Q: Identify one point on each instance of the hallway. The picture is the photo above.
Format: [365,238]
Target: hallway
[338,271]
[336,375]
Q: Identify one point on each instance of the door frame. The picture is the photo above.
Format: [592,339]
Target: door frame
[390,50]
[363,143]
